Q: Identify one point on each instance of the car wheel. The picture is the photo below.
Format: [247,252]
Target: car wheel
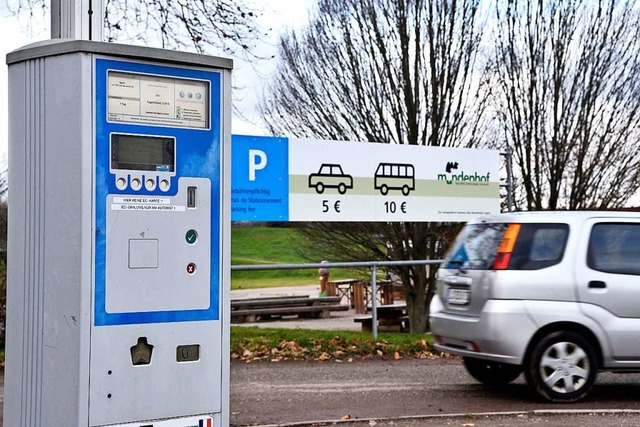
[405,190]
[319,188]
[342,188]
[493,374]
[384,190]
[562,367]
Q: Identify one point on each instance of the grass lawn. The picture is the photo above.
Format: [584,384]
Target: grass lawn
[268,245]
[255,344]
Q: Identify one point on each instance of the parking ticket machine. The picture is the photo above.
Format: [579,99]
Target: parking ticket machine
[118,256]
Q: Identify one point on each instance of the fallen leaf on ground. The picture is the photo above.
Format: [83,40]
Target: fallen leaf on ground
[323,357]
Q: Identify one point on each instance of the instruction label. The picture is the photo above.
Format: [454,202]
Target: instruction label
[154,100]
[146,204]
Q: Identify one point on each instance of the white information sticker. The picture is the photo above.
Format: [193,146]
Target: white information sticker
[157,100]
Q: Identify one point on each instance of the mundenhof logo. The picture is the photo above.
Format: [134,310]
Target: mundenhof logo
[461,177]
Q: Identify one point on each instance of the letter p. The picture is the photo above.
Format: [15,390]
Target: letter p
[257,161]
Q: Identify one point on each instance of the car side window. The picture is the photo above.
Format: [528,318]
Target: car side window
[538,246]
[547,244]
[615,248]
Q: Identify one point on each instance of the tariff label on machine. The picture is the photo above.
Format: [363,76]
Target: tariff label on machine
[280,179]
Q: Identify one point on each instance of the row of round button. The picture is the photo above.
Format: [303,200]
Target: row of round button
[136,184]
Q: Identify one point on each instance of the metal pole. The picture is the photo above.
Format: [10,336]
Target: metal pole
[374,303]
[77,19]
[509,180]
[333,265]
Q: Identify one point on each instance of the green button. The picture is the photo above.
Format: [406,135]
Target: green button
[191,236]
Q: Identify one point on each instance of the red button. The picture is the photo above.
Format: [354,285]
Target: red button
[191,268]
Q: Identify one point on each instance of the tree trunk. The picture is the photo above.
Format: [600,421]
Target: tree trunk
[417,311]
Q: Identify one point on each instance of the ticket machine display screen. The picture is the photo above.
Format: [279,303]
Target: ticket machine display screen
[143,153]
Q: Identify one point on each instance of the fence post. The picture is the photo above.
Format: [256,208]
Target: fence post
[324,279]
[374,303]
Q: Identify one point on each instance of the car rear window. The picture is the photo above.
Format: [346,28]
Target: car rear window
[476,246]
[538,245]
[615,248]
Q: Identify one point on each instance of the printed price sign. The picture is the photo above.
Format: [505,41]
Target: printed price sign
[280,179]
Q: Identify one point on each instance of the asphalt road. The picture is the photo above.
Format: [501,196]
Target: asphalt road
[266,393]
[409,393]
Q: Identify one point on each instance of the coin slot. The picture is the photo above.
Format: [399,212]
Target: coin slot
[188,353]
[191,197]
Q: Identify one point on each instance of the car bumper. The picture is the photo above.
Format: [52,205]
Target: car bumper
[501,333]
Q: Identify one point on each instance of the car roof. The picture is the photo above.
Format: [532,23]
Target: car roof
[555,216]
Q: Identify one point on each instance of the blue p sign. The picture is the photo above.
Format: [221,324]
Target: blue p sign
[257,161]
[259,178]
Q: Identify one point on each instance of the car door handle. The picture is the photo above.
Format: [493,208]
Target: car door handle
[597,284]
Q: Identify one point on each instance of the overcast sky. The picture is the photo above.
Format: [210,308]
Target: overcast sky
[278,14]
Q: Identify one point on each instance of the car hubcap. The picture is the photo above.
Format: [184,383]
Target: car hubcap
[564,367]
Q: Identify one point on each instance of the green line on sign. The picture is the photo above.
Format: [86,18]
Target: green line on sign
[299,184]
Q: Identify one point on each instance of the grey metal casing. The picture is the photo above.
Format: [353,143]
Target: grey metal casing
[51,237]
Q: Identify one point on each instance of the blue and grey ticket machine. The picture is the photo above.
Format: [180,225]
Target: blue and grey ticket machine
[119,231]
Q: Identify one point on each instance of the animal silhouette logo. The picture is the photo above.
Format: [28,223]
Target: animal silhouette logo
[451,166]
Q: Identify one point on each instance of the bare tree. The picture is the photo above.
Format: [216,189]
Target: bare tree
[203,26]
[4,184]
[568,86]
[398,72]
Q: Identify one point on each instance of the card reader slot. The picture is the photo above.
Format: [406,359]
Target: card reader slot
[191,196]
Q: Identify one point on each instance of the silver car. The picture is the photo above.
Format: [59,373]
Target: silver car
[555,295]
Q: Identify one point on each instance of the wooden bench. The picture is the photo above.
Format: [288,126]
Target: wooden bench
[245,303]
[391,318]
[253,309]
[399,324]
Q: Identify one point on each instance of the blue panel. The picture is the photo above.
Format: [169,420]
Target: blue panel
[198,154]
[259,178]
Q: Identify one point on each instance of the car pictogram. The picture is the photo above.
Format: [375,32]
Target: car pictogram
[330,176]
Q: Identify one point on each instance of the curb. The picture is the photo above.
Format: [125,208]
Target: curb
[550,412]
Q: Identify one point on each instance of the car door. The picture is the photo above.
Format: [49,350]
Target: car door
[608,281]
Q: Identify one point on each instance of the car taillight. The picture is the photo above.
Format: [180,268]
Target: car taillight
[506,247]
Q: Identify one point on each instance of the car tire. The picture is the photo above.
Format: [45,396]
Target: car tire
[562,367]
[493,374]
[405,190]
[342,188]
[384,190]
[319,188]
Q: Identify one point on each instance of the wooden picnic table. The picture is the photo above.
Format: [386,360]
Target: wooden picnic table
[357,292]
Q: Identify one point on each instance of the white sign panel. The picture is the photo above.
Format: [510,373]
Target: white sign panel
[360,181]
